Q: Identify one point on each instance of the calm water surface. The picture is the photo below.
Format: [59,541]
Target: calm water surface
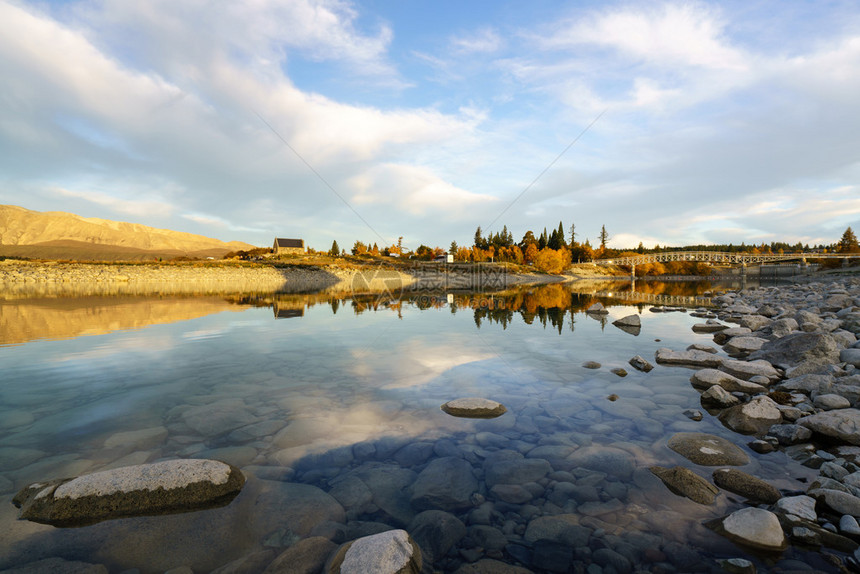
[330,405]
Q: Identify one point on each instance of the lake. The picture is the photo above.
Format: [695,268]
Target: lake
[330,404]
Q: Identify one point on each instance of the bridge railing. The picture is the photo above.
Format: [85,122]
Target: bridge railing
[718,257]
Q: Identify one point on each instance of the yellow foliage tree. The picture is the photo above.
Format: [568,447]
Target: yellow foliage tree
[549,260]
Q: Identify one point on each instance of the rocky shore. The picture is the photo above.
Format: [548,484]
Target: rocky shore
[791,382]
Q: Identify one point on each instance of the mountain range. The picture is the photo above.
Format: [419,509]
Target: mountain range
[60,235]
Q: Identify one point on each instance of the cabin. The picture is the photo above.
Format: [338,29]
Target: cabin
[288,246]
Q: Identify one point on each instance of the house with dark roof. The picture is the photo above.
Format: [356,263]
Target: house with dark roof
[288,246]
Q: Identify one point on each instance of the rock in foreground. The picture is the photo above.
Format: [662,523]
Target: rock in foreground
[752,527]
[474,407]
[685,482]
[146,489]
[390,552]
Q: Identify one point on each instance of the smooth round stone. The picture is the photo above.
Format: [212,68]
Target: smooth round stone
[755,527]
[831,402]
[474,407]
[707,449]
[591,365]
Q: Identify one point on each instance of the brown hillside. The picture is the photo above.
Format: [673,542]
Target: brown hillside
[59,235]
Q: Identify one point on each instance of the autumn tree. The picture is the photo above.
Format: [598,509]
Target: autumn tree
[453,249]
[359,248]
[848,242]
[549,261]
[530,253]
[335,250]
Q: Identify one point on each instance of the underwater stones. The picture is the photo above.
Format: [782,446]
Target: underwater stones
[752,527]
[58,566]
[842,424]
[607,459]
[562,528]
[390,552]
[436,532]
[692,358]
[685,482]
[640,364]
[218,417]
[619,372]
[301,506]
[745,485]
[515,469]
[591,365]
[143,439]
[307,556]
[707,449]
[753,417]
[147,489]
[446,483]
[474,407]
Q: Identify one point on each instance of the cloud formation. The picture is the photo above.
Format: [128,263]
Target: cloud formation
[722,122]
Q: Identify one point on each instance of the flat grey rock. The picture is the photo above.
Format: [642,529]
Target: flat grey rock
[146,489]
[746,485]
[707,378]
[752,527]
[474,407]
[687,358]
[640,364]
[802,506]
[842,424]
[743,345]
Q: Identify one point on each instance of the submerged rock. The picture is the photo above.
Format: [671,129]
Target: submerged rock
[474,407]
[446,484]
[746,485]
[707,449]
[685,482]
[147,489]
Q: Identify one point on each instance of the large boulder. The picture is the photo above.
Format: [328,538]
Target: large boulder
[797,348]
[746,485]
[685,482]
[147,489]
[753,417]
[390,552]
[687,358]
[841,502]
[446,483]
[707,449]
[707,378]
[842,424]
[752,527]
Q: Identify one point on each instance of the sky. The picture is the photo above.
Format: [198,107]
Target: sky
[670,123]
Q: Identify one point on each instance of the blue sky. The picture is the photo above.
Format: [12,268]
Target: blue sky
[718,122]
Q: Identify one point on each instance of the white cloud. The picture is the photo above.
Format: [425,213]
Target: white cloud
[668,35]
[137,208]
[484,41]
[414,189]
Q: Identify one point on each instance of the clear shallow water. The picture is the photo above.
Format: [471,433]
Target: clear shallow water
[332,410]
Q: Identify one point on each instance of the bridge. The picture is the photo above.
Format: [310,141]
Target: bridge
[718,257]
[656,298]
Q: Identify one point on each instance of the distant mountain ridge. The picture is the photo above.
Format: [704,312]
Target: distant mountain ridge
[56,234]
